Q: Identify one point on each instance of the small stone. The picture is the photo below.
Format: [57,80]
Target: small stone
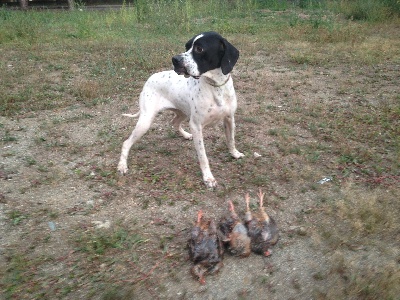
[100,224]
[52,226]
[302,231]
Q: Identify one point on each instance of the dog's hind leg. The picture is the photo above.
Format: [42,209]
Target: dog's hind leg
[141,128]
[177,122]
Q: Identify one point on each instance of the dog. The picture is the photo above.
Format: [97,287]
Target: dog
[204,95]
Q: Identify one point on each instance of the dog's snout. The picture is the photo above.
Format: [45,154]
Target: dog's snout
[177,60]
[179,66]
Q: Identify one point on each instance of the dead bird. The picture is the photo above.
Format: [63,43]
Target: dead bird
[234,233]
[262,228]
[205,248]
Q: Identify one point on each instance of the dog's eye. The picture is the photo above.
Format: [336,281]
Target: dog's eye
[198,49]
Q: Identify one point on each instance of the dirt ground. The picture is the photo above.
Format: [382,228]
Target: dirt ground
[72,228]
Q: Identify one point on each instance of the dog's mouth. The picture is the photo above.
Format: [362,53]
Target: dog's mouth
[181,71]
[179,67]
[184,72]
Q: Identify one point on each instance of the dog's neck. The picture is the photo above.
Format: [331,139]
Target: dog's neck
[216,78]
[215,84]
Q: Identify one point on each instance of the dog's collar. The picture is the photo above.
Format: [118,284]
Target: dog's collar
[214,84]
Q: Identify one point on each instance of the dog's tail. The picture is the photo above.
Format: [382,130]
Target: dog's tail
[132,116]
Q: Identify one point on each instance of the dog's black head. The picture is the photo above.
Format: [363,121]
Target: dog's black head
[204,52]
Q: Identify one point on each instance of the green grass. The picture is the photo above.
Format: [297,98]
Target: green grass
[96,243]
[16,217]
[367,10]
[19,275]
[53,59]
[85,59]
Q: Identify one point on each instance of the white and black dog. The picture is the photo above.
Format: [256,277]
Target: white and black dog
[204,95]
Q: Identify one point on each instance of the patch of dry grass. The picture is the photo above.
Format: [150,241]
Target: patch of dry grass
[354,277]
[361,216]
[318,98]
[356,228]
[353,42]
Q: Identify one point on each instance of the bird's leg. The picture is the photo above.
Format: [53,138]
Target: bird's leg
[247,198]
[248,216]
[231,207]
[232,210]
[199,216]
[216,268]
[262,210]
[261,196]
[198,272]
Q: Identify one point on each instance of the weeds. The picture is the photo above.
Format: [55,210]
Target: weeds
[8,137]
[369,10]
[16,217]
[105,33]
[318,96]
[349,279]
[19,274]
[359,216]
[99,242]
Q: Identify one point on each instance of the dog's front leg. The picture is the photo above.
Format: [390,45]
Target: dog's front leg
[197,132]
[229,125]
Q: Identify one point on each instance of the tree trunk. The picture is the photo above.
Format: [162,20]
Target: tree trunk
[23,4]
[71,4]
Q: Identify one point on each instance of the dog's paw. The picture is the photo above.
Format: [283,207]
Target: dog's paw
[211,183]
[187,136]
[237,154]
[122,168]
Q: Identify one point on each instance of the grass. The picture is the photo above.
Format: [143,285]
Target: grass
[19,274]
[329,107]
[96,243]
[364,221]
[16,217]
[361,215]
[370,10]
[359,281]
[70,74]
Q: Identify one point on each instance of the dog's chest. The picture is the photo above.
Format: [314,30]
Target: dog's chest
[196,98]
[213,104]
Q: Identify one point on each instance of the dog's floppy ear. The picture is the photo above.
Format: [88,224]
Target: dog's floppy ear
[230,57]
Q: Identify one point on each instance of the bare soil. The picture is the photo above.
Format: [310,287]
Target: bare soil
[72,228]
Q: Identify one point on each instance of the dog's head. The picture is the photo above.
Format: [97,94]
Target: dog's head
[205,52]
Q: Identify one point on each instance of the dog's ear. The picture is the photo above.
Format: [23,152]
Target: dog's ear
[189,44]
[230,57]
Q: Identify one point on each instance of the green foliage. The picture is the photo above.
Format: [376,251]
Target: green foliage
[367,10]
[97,242]
[99,45]
[16,217]
[284,5]
[16,274]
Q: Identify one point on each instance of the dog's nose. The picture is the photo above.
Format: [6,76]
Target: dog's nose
[176,60]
